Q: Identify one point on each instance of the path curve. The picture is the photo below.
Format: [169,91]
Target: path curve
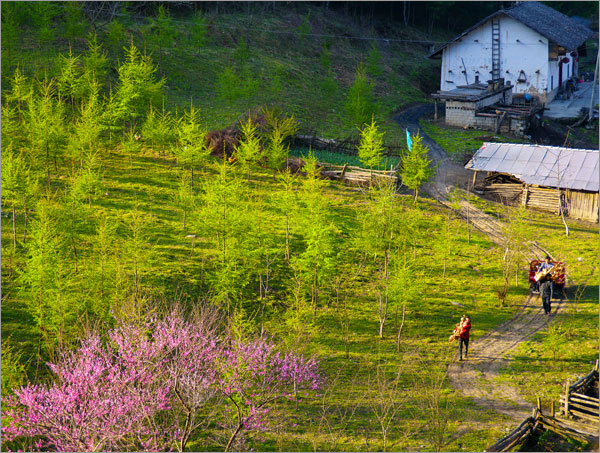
[475,378]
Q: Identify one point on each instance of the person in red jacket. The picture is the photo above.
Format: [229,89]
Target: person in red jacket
[464,337]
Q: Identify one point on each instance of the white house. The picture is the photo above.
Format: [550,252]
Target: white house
[530,45]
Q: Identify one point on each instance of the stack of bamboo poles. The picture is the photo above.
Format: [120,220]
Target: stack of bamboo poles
[356,175]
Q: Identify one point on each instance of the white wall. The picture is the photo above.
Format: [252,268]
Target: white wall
[529,54]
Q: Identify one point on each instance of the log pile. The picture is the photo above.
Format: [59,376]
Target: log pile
[356,175]
[544,199]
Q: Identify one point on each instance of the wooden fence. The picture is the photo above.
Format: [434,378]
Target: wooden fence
[574,402]
[519,435]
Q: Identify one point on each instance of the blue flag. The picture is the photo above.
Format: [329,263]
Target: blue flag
[408,140]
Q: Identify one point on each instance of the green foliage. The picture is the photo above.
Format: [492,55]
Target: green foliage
[304,28]
[10,29]
[316,263]
[191,148]
[371,147]
[162,30]
[69,79]
[49,278]
[223,220]
[360,103]
[242,54]
[115,36]
[138,87]
[374,61]
[44,125]
[95,65]
[87,181]
[280,127]
[416,166]
[249,151]
[43,14]
[13,368]
[159,128]
[199,30]
[75,21]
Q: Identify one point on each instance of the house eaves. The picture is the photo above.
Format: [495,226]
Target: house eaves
[553,25]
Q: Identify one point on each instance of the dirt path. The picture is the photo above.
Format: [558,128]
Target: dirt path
[476,377]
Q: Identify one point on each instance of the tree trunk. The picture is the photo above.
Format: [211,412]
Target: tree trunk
[400,329]
[14,227]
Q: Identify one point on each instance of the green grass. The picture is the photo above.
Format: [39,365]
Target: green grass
[180,262]
[461,144]
[472,273]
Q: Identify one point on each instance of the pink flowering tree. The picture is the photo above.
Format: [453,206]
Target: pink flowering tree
[255,374]
[151,387]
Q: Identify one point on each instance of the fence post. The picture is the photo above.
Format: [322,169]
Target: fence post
[566,408]
[539,404]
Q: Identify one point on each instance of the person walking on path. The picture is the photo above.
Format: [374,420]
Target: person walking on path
[546,284]
[464,337]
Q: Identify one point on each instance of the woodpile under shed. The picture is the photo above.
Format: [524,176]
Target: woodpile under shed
[547,178]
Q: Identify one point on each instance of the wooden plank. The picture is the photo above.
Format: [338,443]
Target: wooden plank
[565,431]
[591,399]
[582,406]
[587,403]
[584,415]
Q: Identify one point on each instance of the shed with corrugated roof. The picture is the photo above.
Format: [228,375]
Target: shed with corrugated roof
[550,178]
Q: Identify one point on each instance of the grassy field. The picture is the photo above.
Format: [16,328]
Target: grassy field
[461,144]
[452,273]
[349,360]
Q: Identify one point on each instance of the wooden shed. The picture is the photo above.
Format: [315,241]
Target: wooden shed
[541,177]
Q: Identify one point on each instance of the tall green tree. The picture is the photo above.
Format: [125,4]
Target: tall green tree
[160,128]
[69,79]
[95,66]
[45,126]
[370,147]
[249,151]
[223,219]
[279,128]
[138,86]
[360,102]
[416,169]
[75,22]
[377,240]
[163,31]
[317,261]
[374,61]
[191,147]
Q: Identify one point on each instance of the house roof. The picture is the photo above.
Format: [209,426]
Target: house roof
[548,22]
[550,166]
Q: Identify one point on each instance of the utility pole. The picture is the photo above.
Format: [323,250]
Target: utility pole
[590,111]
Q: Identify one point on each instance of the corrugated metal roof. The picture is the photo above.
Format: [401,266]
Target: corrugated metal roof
[544,19]
[550,166]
